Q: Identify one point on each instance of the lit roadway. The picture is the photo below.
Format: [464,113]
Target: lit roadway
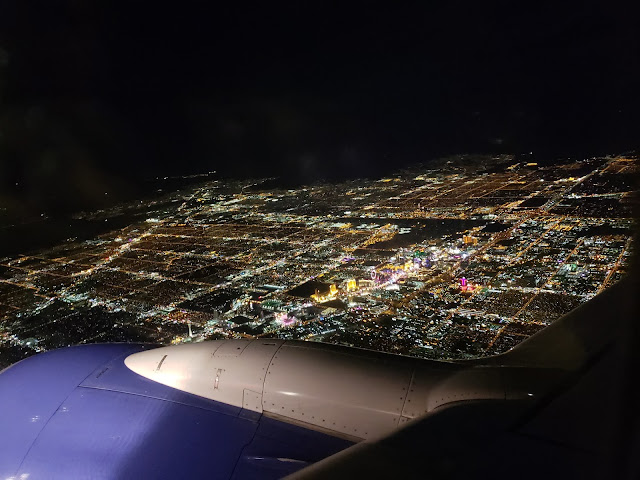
[537,291]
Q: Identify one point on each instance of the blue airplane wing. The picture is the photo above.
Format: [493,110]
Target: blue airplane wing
[81,413]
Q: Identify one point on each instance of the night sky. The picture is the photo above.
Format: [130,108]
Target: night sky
[97,96]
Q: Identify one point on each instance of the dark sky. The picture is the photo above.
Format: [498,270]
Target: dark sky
[97,95]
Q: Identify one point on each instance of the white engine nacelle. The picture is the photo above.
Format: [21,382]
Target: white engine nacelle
[355,393]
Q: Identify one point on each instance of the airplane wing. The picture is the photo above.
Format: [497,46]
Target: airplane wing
[269,408]
[81,413]
[585,426]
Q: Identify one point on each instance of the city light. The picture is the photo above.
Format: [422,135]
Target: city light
[445,262]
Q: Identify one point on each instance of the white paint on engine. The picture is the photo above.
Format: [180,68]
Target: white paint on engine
[354,393]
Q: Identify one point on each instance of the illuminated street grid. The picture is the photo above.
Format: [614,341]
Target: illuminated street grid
[466,258]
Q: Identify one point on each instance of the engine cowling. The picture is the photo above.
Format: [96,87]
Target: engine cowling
[355,393]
